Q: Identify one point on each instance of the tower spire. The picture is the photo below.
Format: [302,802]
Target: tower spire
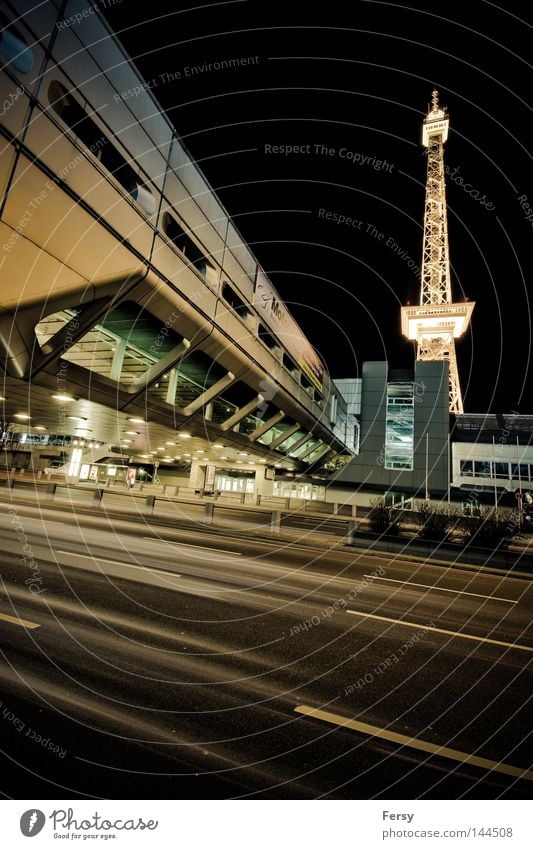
[437,322]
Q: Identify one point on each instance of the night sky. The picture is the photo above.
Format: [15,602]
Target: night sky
[361,79]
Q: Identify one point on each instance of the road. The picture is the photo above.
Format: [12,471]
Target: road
[148,662]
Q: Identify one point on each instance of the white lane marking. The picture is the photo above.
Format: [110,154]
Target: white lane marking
[518,646]
[196,547]
[408,584]
[120,563]
[14,620]
[415,743]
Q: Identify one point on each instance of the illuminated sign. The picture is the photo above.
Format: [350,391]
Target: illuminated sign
[270,306]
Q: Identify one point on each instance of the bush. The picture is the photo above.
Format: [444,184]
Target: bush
[383,518]
[492,529]
[434,523]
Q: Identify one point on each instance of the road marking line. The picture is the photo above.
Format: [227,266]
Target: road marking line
[441,589]
[196,547]
[414,743]
[120,563]
[442,631]
[14,620]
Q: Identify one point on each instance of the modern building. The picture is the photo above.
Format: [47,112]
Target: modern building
[132,315]
[415,439]
[404,426]
[139,335]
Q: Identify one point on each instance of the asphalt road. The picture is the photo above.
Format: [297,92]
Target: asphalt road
[149,662]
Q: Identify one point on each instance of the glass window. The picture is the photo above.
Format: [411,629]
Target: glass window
[521,471]
[306,449]
[502,470]
[285,446]
[236,303]
[264,412]
[467,468]
[124,345]
[187,246]
[80,122]
[483,468]
[267,338]
[53,323]
[400,426]
[196,373]
[273,433]
[13,47]
[290,365]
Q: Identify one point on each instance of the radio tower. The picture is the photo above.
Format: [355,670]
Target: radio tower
[437,322]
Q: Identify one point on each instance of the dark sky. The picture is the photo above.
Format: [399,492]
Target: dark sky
[359,77]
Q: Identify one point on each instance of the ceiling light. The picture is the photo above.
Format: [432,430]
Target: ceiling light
[186,455]
[243,453]
[39,427]
[184,435]
[126,441]
[2,398]
[62,397]
[22,416]
[200,451]
[76,418]
[170,443]
[218,445]
[224,457]
[136,420]
[131,433]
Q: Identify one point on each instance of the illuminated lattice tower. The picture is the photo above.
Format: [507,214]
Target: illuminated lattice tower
[437,322]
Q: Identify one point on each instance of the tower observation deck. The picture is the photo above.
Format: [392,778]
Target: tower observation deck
[437,321]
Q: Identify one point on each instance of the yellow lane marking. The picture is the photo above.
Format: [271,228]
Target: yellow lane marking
[14,620]
[434,630]
[95,559]
[414,743]
[408,584]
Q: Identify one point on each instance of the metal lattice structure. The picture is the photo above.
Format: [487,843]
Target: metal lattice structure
[438,321]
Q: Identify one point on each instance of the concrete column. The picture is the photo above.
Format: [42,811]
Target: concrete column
[259,431]
[210,394]
[263,487]
[172,385]
[118,359]
[285,435]
[197,475]
[231,423]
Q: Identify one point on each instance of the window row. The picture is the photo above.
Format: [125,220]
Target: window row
[496,469]
[85,128]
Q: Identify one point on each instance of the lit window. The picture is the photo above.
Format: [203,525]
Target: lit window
[400,426]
